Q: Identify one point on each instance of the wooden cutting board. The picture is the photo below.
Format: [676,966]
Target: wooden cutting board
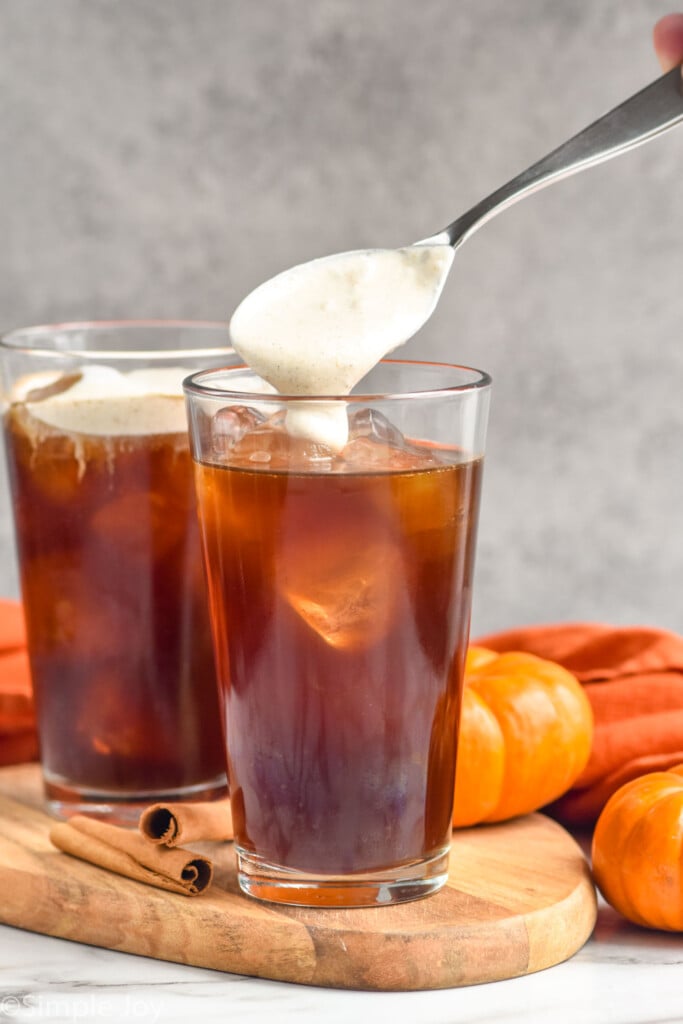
[519,898]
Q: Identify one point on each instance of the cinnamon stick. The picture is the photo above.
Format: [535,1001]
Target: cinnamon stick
[179,823]
[130,854]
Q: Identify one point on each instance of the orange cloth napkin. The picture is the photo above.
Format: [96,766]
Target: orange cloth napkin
[633,677]
[18,739]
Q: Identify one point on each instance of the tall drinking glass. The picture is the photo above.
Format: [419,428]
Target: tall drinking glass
[339,592]
[109,559]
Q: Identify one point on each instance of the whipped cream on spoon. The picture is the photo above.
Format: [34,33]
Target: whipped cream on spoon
[318,328]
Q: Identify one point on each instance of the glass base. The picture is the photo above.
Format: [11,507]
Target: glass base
[118,808]
[277,884]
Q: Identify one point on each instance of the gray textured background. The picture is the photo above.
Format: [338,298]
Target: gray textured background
[162,157]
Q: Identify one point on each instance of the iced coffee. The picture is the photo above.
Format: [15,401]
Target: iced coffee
[340,583]
[113,589]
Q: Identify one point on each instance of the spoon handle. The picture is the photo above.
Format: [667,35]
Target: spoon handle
[649,113]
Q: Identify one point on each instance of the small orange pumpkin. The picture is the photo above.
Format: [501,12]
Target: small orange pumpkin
[638,850]
[526,730]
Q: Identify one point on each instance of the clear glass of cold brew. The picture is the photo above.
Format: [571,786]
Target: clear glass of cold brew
[109,559]
[340,583]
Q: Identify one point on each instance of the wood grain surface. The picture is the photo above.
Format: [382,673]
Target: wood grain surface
[519,899]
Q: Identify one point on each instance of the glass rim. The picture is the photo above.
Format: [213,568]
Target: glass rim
[193,386]
[15,340]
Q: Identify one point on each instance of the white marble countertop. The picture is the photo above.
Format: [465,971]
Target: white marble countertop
[623,975]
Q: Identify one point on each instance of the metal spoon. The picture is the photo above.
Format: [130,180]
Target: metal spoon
[278,326]
[651,112]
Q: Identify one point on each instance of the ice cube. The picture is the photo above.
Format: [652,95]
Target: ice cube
[267,442]
[270,446]
[373,424]
[113,718]
[140,527]
[219,432]
[71,611]
[375,444]
[229,425]
[366,455]
[435,501]
[345,591]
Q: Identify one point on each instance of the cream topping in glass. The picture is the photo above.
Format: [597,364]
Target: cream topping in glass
[101,400]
